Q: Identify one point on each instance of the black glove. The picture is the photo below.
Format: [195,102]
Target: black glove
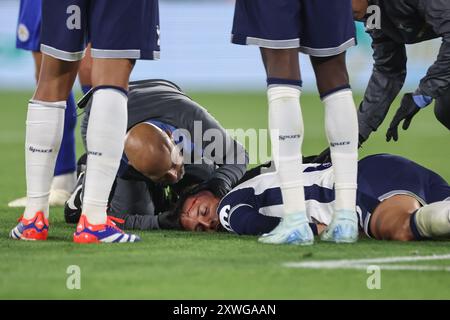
[169,220]
[408,109]
[323,157]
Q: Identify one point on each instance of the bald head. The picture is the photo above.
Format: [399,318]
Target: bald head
[149,151]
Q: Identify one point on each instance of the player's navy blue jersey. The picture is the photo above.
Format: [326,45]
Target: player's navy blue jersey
[255,206]
[29,25]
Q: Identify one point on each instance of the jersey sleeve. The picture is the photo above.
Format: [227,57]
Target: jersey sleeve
[388,77]
[437,80]
[221,149]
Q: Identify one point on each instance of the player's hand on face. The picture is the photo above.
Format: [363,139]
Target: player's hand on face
[410,106]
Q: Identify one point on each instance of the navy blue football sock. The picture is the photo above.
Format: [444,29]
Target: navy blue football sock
[66,160]
[280,81]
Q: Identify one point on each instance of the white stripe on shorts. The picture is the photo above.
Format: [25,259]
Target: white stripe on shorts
[273,44]
[61,54]
[328,52]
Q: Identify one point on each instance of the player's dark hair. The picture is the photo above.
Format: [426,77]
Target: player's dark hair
[171,219]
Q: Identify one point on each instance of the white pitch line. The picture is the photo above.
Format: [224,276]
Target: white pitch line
[361,264]
[365,266]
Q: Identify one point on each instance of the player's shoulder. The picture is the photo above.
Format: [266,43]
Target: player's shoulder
[238,197]
[250,188]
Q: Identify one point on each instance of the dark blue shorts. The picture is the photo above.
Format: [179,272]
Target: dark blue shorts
[320,28]
[383,176]
[29,25]
[115,28]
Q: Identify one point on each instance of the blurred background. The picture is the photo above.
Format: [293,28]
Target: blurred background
[197,54]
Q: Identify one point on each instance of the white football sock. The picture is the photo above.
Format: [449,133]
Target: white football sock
[286,131]
[105,142]
[64,182]
[433,220]
[341,123]
[44,130]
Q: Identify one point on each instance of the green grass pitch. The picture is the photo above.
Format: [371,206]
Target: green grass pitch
[181,265]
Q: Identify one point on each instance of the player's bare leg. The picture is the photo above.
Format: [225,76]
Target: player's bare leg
[286,127]
[44,130]
[341,125]
[64,178]
[402,218]
[37,57]
[85,71]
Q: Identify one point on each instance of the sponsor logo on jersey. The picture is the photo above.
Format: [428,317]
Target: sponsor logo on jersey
[224,217]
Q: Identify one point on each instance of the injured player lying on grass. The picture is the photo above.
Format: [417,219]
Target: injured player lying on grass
[397,199]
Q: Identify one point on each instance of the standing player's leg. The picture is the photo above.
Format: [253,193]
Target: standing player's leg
[85,71]
[342,132]
[65,169]
[44,130]
[329,31]
[28,38]
[65,172]
[274,26]
[126,32]
[287,131]
[105,134]
[37,58]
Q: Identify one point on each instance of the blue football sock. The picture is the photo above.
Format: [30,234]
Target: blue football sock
[66,161]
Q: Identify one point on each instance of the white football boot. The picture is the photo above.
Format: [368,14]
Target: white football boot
[343,228]
[293,229]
